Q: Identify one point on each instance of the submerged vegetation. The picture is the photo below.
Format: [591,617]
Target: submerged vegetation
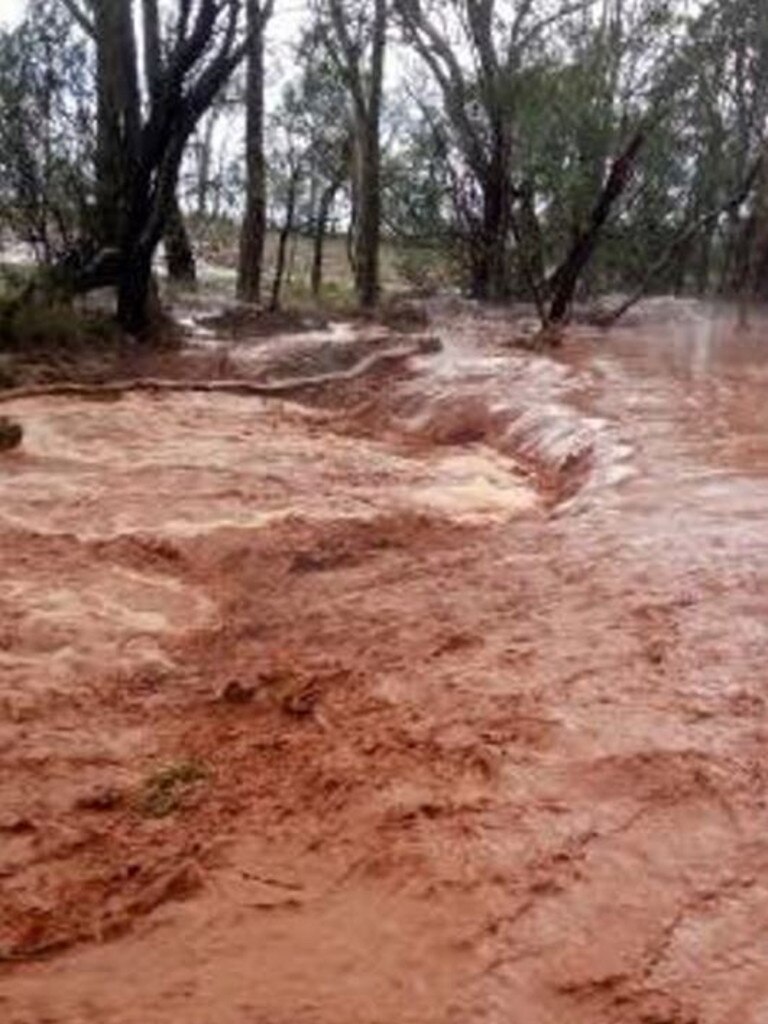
[165,790]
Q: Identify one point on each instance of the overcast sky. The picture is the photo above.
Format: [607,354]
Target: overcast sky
[284,28]
[288,15]
[10,10]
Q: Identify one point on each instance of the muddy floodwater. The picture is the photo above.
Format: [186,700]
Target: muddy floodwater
[438,696]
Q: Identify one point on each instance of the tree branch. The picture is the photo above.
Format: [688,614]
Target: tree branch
[82,19]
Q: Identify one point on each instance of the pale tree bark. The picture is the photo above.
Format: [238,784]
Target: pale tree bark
[364,79]
[204,165]
[254,228]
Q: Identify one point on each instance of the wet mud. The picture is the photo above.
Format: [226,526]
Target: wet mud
[438,697]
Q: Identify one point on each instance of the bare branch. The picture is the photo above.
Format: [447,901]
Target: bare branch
[80,16]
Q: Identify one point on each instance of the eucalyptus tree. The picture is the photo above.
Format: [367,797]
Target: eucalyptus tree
[141,139]
[355,34]
[320,109]
[479,55]
[537,100]
[179,254]
[46,137]
[254,226]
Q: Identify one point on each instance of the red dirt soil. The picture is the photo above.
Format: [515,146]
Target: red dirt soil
[333,713]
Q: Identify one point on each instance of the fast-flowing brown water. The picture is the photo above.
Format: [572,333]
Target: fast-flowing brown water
[471,661]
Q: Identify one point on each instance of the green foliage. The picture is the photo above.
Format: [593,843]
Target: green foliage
[28,327]
[426,269]
[34,316]
[47,138]
[550,97]
[416,183]
[336,299]
[542,108]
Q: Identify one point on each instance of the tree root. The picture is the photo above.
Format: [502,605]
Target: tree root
[117,388]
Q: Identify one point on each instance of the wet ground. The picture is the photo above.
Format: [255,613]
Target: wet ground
[438,697]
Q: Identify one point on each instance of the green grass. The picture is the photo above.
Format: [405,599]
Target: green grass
[29,327]
[403,268]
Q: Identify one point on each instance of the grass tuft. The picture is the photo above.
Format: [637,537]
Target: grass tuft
[165,790]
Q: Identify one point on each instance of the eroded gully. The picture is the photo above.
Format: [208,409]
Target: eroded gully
[516,766]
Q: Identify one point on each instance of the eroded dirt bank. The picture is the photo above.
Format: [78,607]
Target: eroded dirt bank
[322,716]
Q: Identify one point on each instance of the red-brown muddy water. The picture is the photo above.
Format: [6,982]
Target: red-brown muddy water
[499,750]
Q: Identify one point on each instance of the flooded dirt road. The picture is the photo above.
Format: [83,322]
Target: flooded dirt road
[440,697]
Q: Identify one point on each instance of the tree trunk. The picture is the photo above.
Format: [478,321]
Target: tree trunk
[366,241]
[140,144]
[179,255]
[755,282]
[567,276]
[205,156]
[365,85]
[490,256]
[117,123]
[321,227]
[282,245]
[678,244]
[254,227]
[134,289]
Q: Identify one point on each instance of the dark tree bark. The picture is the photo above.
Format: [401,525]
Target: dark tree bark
[118,115]
[754,284]
[318,241]
[705,222]
[139,148]
[254,228]
[285,233]
[179,254]
[566,277]
[133,295]
[490,245]
[367,225]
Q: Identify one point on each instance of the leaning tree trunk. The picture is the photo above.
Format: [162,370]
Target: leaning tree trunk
[730,208]
[282,245]
[254,229]
[567,275]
